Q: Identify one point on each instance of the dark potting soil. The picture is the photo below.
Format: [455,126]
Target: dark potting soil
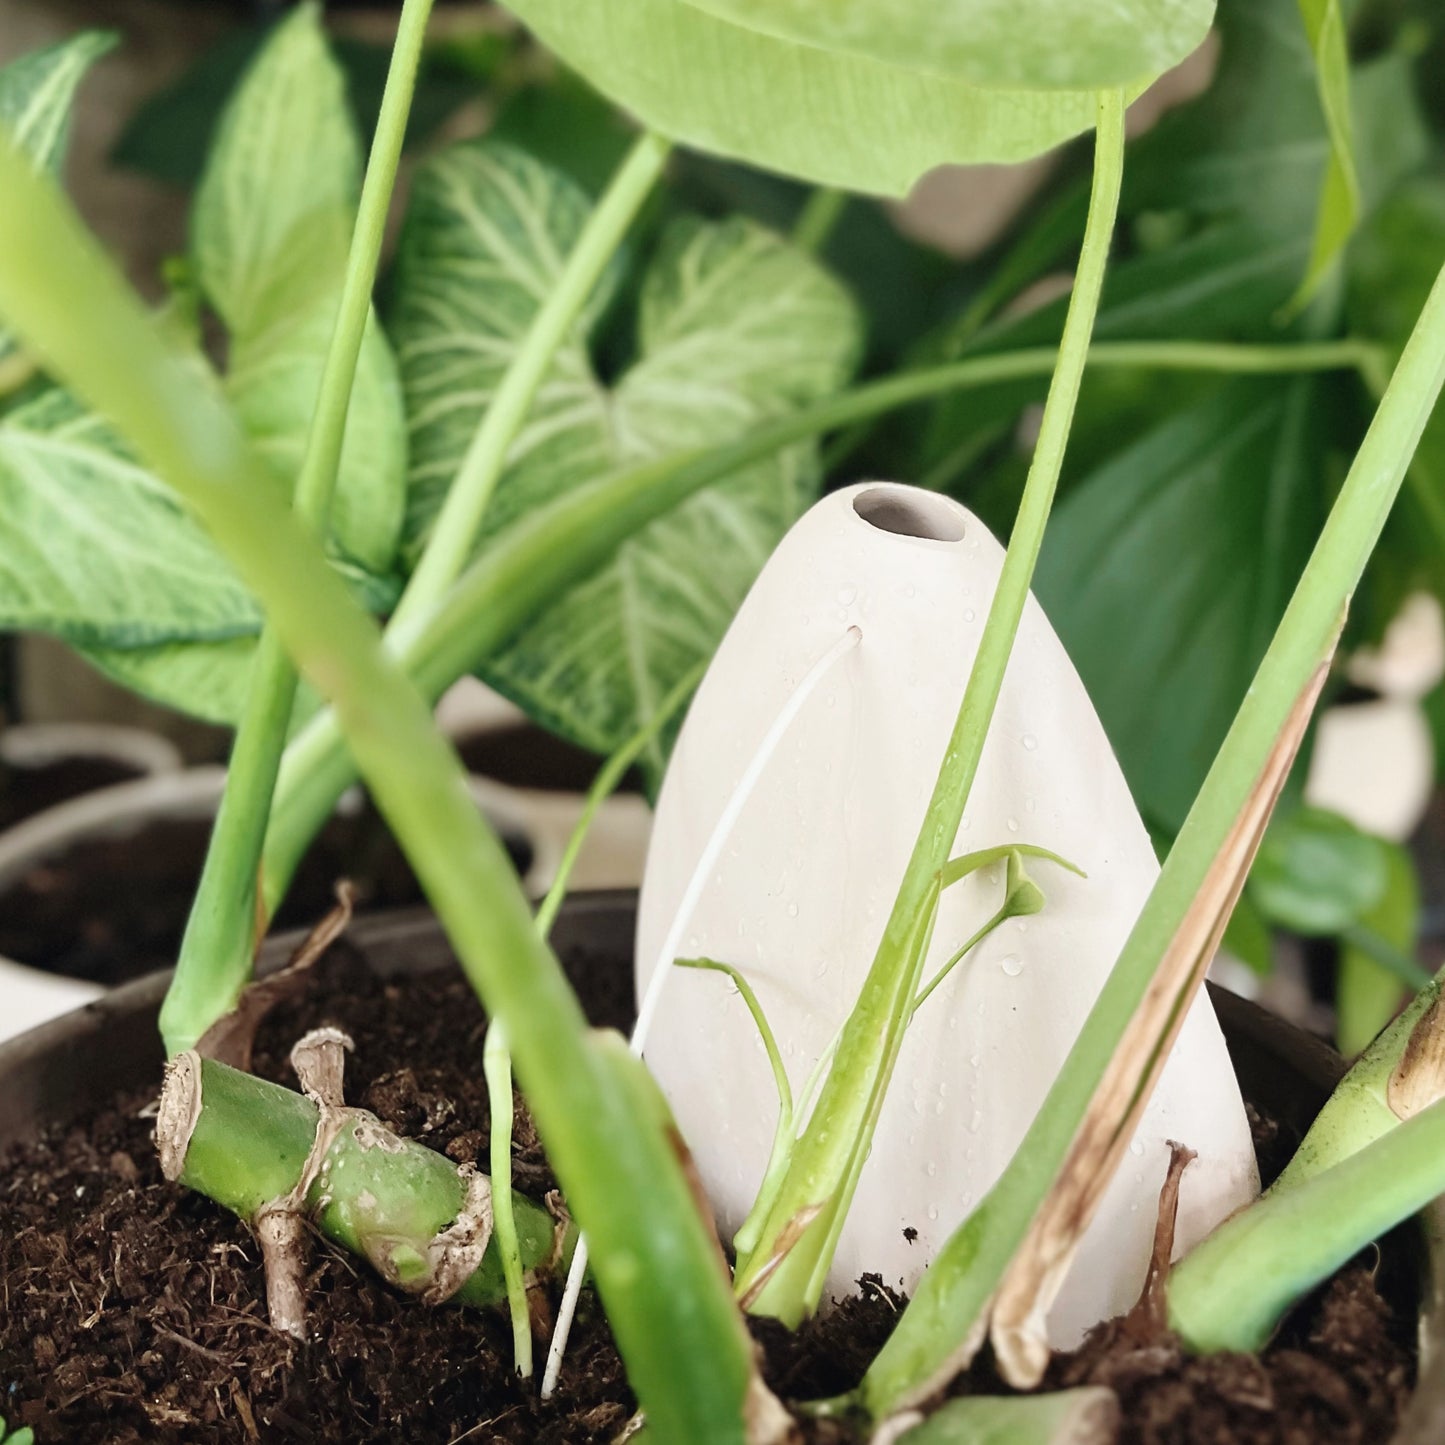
[25,791]
[113,909]
[132,1311]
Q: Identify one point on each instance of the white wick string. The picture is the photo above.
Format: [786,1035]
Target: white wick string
[662,968]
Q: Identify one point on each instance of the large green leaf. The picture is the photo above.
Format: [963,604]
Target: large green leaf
[845,120]
[1166,570]
[1392,264]
[733,326]
[1029,44]
[1317,873]
[97,549]
[270,233]
[36,92]
[1368,995]
[1256,142]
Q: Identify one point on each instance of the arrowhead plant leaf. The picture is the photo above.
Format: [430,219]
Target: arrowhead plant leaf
[734,328]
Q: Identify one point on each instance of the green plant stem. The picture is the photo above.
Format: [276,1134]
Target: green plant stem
[458,525]
[599,1112]
[1381,951]
[821,212]
[1359,1110]
[886,1000]
[497,1070]
[496,1055]
[529,565]
[380,1196]
[783,1135]
[954,1293]
[1230,1291]
[222,929]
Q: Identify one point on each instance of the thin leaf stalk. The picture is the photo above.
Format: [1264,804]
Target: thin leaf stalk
[885,1003]
[224,926]
[955,1292]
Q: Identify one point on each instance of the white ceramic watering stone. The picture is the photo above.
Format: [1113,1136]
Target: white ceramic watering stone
[802,889]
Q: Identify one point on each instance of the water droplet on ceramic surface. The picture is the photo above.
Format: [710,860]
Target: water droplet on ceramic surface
[910,590]
[1011,964]
[953,1021]
[1029,741]
[742,928]
[918,1106]
[1136,1148]
[692,941]
[1023,925]
[969,614]
[846,596]
[842,614]
[976,1122]
[1031,805]
[1013,825]
[938,1107]
[832,699]
[933,1211]
[792,910]
[930,1169]
[820,968]
[806,619]
[965,824]
[974,1061]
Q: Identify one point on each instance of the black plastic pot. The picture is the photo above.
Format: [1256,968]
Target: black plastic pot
[60,1071]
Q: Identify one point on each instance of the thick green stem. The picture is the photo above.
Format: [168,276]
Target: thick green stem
[599,1112]
[955,1292]
[246,1144]
[885,1003]
[1360,1109]
[454,534]
[528,566]
[1230,1292]
[222,930]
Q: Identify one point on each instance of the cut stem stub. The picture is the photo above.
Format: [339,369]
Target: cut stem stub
[410,1212]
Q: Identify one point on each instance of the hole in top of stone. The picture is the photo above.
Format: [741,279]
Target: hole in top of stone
[910,513]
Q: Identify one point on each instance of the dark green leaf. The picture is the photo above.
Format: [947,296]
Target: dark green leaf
[1166,570]
[1316,873]
[1368,995]
[169,137]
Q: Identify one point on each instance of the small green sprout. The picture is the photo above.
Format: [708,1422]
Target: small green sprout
[23,1436]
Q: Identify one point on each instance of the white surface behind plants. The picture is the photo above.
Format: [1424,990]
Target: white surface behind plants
[801,896]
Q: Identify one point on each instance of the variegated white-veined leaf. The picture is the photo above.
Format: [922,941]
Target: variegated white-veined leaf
[734,326]
[270,234]
[36,94]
